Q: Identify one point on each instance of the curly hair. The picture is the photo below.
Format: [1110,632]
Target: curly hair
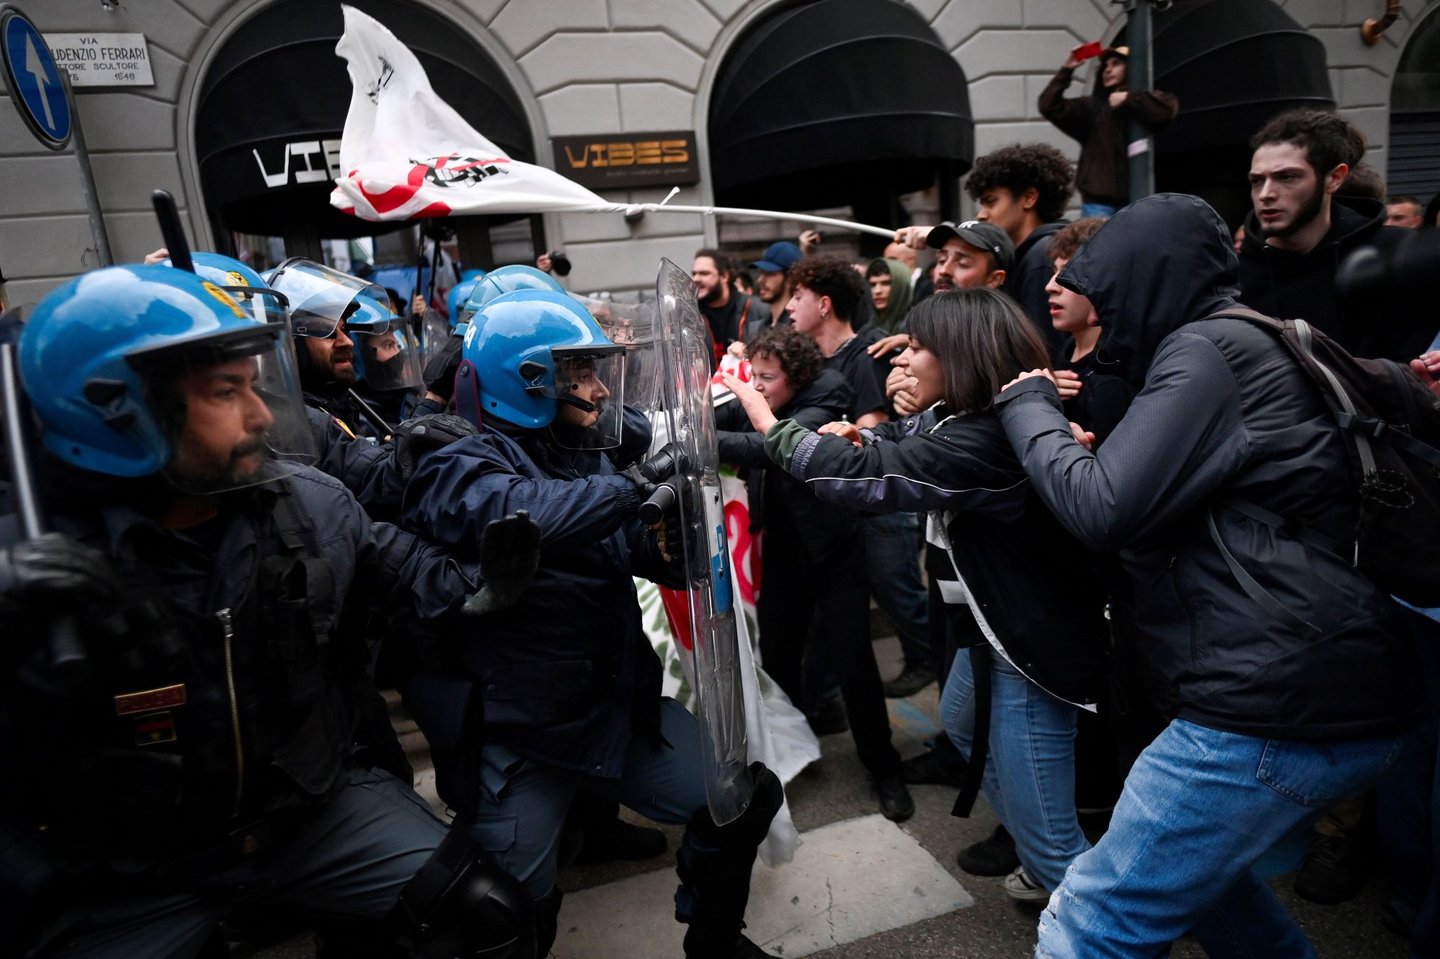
[1024,166]
[1327,139]
[829,274]
[1064,244]
[797,354]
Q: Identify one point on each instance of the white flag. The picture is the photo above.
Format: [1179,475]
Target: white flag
[406,154]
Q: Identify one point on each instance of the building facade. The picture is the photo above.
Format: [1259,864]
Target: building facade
[610,69]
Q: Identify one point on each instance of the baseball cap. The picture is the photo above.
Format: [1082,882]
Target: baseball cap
[1122,52]
[778,257]
[979,234]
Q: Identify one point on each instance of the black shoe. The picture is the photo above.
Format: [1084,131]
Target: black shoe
[992,856]
[927,769]
[619,839]
[828,717]
[1333,872]
[895,802]
[911,680]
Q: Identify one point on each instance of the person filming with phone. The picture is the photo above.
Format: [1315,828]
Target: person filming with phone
[1098,121]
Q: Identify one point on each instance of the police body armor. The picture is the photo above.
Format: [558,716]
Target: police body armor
[197,740]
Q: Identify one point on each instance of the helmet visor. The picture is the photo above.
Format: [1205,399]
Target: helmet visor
[387,354]
[589,396]
[320,296]
[230,406]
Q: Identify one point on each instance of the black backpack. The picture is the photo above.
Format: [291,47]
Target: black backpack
[1391,424]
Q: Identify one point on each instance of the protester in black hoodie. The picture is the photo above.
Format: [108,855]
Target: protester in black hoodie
[1299,231]
[1274,714]
[814,553]
[1041,635]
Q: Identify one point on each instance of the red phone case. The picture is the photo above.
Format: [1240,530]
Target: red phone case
[1087,50]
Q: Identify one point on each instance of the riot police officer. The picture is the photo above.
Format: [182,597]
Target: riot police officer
[569,683]
[198,758]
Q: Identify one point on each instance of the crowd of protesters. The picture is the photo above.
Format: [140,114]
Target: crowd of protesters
[1049,451]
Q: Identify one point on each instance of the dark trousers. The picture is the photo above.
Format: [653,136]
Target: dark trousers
[793,589]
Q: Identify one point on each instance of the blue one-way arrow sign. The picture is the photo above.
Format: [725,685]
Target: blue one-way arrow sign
[33,79]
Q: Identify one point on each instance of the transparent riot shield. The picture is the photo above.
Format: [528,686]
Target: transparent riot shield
[682,359]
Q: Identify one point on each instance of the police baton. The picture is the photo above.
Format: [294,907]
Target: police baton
[68,662]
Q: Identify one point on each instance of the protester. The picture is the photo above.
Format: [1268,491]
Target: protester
[827,293]
[891,292]
[1406,212]
[1100,122]
[1045,635]
[814,555]
[1273,717]
[774,286]
[727,312]
[1299,232]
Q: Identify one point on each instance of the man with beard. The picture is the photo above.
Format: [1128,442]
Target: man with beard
[727,311]
[1300,231]
[773,286]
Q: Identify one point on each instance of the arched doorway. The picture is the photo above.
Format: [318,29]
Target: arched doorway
[839,103]
[1414,159]
[272,106]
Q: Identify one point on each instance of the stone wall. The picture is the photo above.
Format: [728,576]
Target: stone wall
[579,66]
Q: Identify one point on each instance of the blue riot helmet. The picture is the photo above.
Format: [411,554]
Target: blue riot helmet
[507,279]
[459,295]
[244,285]
[537,360]
[387,354]
[135,371]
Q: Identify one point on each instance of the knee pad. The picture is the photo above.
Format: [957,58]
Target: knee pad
[461,905]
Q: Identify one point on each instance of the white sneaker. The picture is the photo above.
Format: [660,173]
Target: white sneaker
[1020,887]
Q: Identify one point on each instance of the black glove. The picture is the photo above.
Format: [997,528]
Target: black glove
[439,372]
[636,475]
[509,556]
[54,567]
[417,436]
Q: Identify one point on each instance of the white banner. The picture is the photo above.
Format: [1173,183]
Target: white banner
[406,154]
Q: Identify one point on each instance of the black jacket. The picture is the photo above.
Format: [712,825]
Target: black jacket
[821,526]
[242,629]
[1224,413]
[1396,325]
[1027,278]
[1004,540]
[1103,174]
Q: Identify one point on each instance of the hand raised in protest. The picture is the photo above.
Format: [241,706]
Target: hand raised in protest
[754,403]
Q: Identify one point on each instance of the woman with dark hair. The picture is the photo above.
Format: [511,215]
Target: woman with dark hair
[814,553]
[1031,588]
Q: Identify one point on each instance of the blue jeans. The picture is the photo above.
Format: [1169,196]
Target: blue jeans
[1199,808]
[1097,209]
[892,556]
[1030,770]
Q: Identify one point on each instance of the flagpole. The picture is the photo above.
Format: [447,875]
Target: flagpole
[739,211]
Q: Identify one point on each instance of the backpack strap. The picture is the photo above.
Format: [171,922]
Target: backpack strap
[1262,596]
